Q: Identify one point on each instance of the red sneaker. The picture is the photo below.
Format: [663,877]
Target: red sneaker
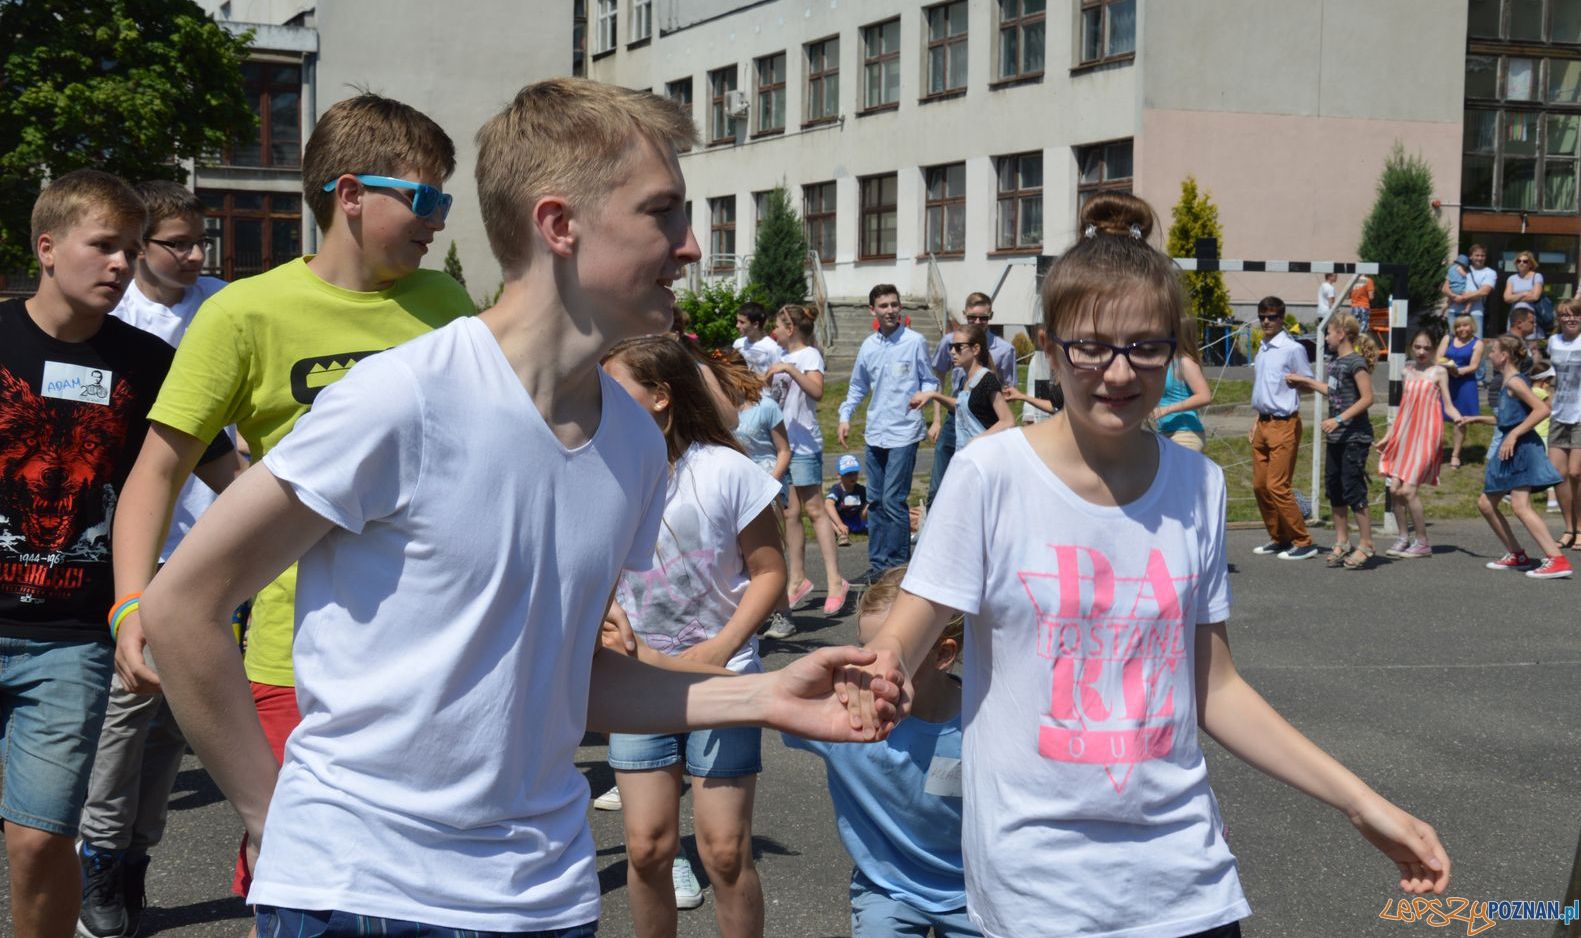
[1552,568]
[1509,562]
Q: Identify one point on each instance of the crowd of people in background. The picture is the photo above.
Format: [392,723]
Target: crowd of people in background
[648,512]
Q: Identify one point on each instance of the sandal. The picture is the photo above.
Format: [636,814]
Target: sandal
[1454,463]
[1336,557]
[1568,541]
[1358,558]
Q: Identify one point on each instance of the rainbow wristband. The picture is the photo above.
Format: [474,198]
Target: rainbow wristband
[127,605]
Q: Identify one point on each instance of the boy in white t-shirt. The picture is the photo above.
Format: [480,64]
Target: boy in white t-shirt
[461,506]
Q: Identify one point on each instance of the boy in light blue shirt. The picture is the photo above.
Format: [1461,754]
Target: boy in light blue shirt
[897,803]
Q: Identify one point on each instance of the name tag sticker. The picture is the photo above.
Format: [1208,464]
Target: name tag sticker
[944,777]
[78,383]
[900,369]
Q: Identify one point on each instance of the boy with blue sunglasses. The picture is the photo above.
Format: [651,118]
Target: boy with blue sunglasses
[260,351]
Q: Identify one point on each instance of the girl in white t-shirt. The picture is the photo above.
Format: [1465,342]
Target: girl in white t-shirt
[798,376]
[717,573]
[1088,555]
[1564,433]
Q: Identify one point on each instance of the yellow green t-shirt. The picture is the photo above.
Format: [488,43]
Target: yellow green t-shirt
[256,355]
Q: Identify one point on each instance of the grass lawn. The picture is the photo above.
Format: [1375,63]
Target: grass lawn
[1455,496]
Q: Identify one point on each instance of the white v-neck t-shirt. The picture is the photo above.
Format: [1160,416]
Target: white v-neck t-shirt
[444,635]
[1087,806]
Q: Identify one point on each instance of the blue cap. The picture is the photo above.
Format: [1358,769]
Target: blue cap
[1462,260]
[848,464]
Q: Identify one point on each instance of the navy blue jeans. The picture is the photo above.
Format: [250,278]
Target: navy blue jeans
[888,520]
[943,452]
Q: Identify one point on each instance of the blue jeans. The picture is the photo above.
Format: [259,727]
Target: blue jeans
[52,699]
[874,914]
[889,523]
[299,923]
[943,452]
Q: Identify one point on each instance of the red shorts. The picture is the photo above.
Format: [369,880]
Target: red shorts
[277,712]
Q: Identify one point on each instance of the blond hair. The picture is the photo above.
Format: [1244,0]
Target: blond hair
[802,319]
[1362,342]
[1463,319]
[569,137]
[1112,262]
[877,599]
[72,197]
[372,135]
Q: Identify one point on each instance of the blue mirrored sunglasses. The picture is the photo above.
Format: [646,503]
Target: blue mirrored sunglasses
[426,201]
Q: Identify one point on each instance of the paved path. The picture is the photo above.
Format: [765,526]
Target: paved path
[1454,690]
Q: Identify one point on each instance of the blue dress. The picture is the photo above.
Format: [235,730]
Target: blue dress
[1528,467]
[1463,388]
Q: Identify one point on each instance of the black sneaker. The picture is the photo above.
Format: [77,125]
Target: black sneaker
[134,888]
[1272,547]
[103,912]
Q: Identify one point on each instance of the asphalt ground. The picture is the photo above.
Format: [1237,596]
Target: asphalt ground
[1453,690]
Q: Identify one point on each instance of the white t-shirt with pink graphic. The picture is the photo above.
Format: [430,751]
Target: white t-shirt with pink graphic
[1087,799]
[698,575]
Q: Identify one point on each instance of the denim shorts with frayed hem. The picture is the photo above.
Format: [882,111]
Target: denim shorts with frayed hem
[52,700]
[727,753]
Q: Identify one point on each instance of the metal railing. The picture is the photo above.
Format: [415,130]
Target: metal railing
[938,299]
[828,332]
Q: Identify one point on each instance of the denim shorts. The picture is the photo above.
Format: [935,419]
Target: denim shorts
[298,923]
[875,914]
[52,700]
[727,753]
[806,468]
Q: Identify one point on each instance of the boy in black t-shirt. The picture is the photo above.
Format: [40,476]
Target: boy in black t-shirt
[75,388]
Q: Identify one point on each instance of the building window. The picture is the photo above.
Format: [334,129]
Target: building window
[878,216]
[250,232]
[1021,38]
[1103,167]
[760,207]
[604,26]
[1019,205]
[1520,150]
[641,20]
[770,93]
[274,91]
[1108,30]
[1552,21]
[579,38]
[823,80]
[722,233]
[881,65]
[721,126]
[946,208]
[946,48]
[817,212]
[680,91]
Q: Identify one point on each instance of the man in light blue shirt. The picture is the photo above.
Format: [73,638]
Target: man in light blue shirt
[979,310]
[892,365]
[1276,434]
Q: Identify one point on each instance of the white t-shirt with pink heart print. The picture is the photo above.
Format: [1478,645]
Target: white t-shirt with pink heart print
[1088,811]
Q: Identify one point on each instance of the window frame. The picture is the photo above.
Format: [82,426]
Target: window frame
[1487,173]
[775,90]
[1016,198]
[606,26]
[680,91]
[1105,34]
[816,81]
[944,207]
[951,44]
[877,209]
[718,111]
[884,61]
[219,224]
[641,12]
[829,217]
[1019,24]
[266,88]
[718,231]
[1108,183]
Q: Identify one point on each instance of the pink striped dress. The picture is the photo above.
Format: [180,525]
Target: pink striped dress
[1411,451]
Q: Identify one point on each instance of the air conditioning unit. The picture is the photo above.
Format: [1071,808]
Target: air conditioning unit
[736,103]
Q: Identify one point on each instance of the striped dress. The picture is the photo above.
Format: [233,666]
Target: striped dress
[1411,451]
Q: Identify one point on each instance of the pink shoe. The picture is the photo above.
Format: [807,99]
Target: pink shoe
[836,600]
[800,593]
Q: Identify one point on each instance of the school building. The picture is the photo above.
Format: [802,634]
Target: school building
[946,146]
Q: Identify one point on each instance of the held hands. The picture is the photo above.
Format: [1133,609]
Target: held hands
[811,696]
[918,399]
[136,676]
[876,694]
[1411,843]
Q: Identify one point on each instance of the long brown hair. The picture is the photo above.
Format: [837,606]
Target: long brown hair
[978,336]
[1112,262]
[662,361]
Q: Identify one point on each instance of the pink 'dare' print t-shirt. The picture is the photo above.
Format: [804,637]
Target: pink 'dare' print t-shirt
[1086,793]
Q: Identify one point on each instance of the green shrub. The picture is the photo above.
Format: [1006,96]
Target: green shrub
[711,311]
[779,260]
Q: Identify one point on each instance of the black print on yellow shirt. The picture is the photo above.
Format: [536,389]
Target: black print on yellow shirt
[312,375]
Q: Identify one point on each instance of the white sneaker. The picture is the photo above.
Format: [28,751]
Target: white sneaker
[780,626]
[688,891]
[609,800]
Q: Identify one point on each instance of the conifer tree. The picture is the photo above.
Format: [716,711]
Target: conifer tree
[453,265]
[780,259]
[1195,216]
[1401,229]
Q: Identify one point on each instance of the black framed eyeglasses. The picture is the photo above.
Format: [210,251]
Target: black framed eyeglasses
[183,248]
[1264,317]
[1092,355]
[978,319]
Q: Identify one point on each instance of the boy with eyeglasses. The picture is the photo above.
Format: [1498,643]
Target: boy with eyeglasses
[261,350]
[140,747]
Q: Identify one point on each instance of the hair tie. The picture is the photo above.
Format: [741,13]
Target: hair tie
[1091,231]
[1136,231]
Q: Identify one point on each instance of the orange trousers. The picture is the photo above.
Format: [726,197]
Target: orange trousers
[1274,447]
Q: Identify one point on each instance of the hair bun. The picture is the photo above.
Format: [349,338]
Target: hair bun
[1117,213]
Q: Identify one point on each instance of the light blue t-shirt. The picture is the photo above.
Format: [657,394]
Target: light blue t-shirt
[754,426]
[897,805]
